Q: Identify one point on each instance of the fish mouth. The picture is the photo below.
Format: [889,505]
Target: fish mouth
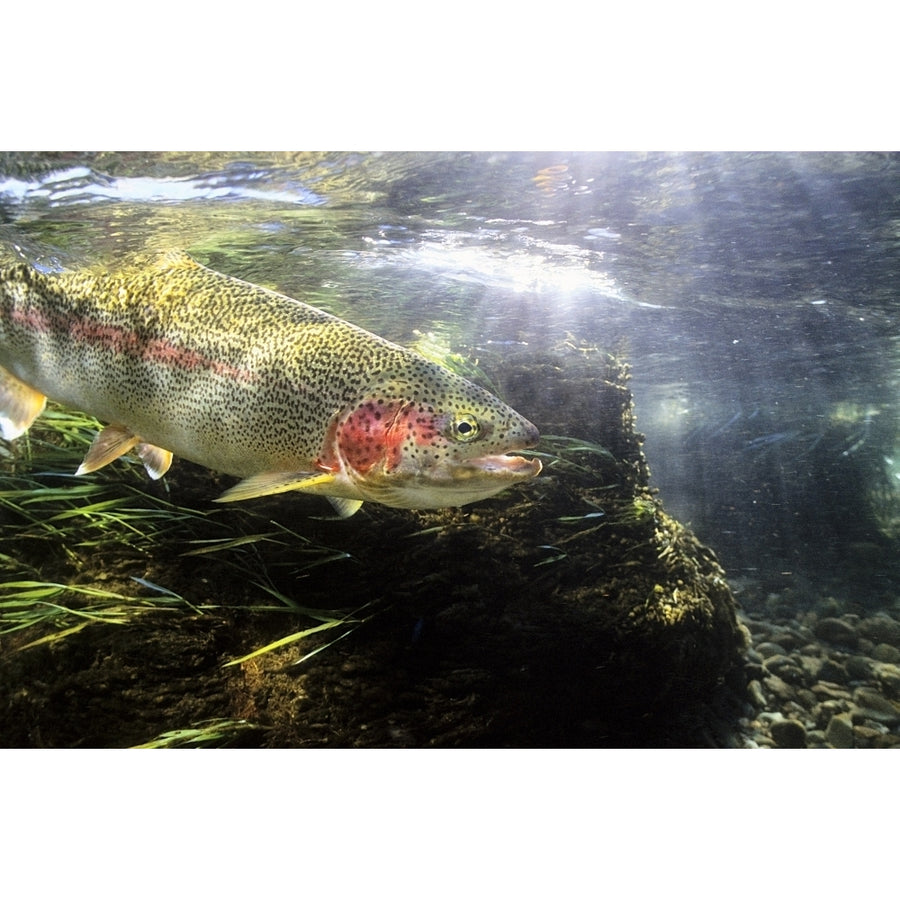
[451,483]
[454,484]
[515,468]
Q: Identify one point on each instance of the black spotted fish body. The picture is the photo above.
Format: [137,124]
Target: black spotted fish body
[182,360]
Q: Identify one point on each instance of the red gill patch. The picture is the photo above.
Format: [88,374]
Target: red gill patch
[375,432]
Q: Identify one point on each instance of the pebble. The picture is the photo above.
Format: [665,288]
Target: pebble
[789,734]
[889,678]
[757,697]
[886,653]
[785,668]
[831,691]
[881,629]
[834,672]
[779,687]
[874,706]
[836,631]
[839,732]
[858,668]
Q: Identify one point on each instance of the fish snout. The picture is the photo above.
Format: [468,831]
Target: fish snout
[524,436]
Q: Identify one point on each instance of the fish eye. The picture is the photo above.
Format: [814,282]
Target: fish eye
[466,427]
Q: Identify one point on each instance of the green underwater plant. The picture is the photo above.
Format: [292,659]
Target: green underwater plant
[212,733]
[75,550]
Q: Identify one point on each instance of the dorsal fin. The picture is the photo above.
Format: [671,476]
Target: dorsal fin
[175,259]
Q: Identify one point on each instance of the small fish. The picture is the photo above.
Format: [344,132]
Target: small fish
[182,360]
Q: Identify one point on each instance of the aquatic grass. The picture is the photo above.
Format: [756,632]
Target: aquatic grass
[310,554]
[285,641]
[591,515]
[557,555]
[52,520]
[29,604]
[207,733]
[82,516]
[327,619]
[566,444]
[560,449]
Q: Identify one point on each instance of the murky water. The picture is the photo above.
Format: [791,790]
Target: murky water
[756,295]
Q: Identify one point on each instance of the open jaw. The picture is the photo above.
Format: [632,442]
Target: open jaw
[516,468]
[452,484]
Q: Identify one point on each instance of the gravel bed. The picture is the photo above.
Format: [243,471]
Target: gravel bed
[823,680]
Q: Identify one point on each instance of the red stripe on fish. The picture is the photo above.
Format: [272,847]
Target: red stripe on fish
[120,340]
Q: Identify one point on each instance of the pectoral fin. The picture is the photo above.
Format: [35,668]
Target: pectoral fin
[344,507]
[267,483]
[20,405]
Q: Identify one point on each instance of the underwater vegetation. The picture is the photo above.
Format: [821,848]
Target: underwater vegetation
[63,529]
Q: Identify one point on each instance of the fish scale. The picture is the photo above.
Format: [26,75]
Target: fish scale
[182,360]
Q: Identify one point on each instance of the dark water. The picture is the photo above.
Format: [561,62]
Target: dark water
[756,295]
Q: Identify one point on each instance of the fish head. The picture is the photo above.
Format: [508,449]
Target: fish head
[428,442]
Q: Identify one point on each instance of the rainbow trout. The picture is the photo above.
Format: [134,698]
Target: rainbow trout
[179,359]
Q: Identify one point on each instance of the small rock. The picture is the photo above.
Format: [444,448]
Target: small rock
[888,676]
[833,671]
[812,666]
[784,667]
[815,739]
[886,653]
[836,631]
[806,698]
[839,732]
[756,628]
[874,706]
[788,734]
[881,630]
[830,691]
[754,671]
[757,697]
[767,649]
[794,710]
[858,667]
[786,639]
[863,736]
[824,711]
[779,688]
